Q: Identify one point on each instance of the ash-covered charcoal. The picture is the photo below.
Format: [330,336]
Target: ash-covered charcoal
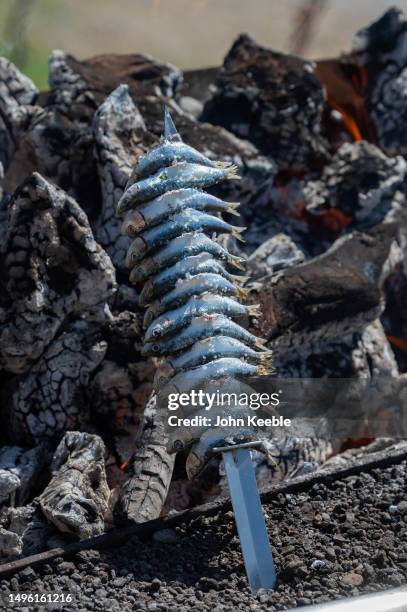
[53,269]
[272,99]
[121,138]
[344,349]
[122,384]
[344,282]
[52,397]
[359,188]
[275,254]
[381,49]
[19,471]
[147,476]
[394,317]
[78,86]
[76,499]
[26,531]
[17,95]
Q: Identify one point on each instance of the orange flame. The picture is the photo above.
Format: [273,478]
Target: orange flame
[348,120]
[345,84]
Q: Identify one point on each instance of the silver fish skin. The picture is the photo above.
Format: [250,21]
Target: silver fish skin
[200,328]
[197,306]
[167,154]
[196,264]
[184,246]
[207,350]
[158,210]
[179,176]
[226,367]
[185,221]
[198,284]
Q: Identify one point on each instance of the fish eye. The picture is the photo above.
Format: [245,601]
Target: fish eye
[178,445]
[156,348]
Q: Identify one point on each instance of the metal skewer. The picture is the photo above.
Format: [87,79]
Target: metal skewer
[249,517]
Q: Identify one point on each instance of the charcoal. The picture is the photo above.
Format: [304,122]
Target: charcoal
[120,138]
[361,186]
[381,50]
[19,471]
[344,282]
[78,86]
[11,544]
[53,270]
[350,348]
[17,94]
[52,397]
[28,529]
[122,383]
[277,253]
[76,498]
[144,490]
[272,99]
[394,317]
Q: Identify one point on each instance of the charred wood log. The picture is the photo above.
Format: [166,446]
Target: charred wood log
[277,253]
[344,282]
[76,499]
[76,85]
[121,138]
[272,99]
[382,52]
[148,476]
[52,397]
[17,94]
[52,269]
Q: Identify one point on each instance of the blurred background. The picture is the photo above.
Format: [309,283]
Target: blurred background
[188,33]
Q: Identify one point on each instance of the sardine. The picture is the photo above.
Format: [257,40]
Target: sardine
[226,367]
[197,306]
[185,221]
[167,154]
[179,248]
[206,350]
[197,285]
[179,176]
[190,266]
[156,211]
[200,328]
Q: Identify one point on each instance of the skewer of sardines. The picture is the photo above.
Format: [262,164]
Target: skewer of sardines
[189,284]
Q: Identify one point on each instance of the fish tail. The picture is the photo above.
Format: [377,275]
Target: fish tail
[232,208]
[254,310]
[242,293]
[267,359]
[238,262]
[239,279]
[264,369]
[233,172]
[223,164]
[260,343]
[237,232]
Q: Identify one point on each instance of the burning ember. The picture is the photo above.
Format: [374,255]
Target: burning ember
[322,159]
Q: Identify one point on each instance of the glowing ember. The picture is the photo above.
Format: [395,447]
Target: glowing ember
[397,342]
